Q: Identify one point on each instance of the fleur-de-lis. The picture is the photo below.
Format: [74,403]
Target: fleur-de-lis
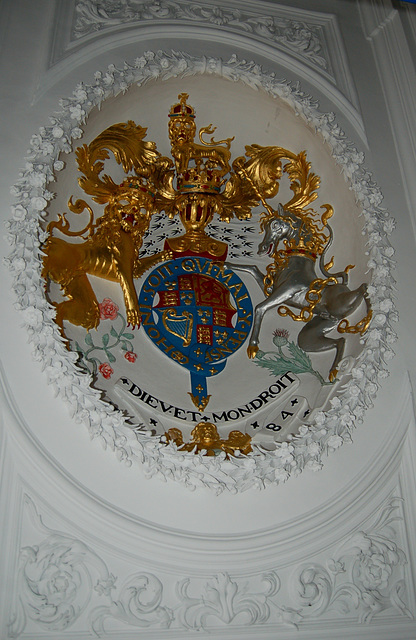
[204,315]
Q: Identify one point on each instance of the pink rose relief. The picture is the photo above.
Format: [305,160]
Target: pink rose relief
[105,370]
[130,356]
[108,309]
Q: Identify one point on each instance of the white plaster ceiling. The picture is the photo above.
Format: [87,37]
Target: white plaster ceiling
[83,495]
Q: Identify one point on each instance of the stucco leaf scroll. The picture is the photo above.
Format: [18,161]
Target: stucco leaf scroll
[138,605]
[61,578]
[293,34]
[226,600]
[364,577]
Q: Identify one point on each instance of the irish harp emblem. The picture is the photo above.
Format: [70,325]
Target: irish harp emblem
[179,325]
[203,315]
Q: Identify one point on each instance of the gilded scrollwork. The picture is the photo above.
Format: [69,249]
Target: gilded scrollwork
[111,247]
[205,437]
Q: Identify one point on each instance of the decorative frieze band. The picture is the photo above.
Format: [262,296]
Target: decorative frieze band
[61,580]
[304,39]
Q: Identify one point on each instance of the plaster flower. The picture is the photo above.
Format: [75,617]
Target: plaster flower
[33,316]
[57,132]
[320,418]
[80,94]
[281,475]
[354,390]
[57,585]
[37,179]
[47,148]
[334,442]
[313,465]
[38,203]
[76,133]
[141,62]
[314,449]
[76,112]
[284,452]
[104,586]
[379,319]
[386,305]
[18,264]
[19,212]
[106,370]
[375,562]
[108,309]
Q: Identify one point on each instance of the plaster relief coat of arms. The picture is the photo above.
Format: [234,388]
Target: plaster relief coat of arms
[190,308]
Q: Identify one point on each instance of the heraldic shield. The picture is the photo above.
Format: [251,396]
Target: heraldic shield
[198,313]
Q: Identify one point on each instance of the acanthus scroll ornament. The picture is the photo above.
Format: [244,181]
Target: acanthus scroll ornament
[62,580]
[364,578]
[232,602]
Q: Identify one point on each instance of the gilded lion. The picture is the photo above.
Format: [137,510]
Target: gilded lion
[111,252]
[112,243]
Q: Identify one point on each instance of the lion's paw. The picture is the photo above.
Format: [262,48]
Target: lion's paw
[133,319]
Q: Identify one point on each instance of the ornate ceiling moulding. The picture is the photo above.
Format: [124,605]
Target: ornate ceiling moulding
[309,43]
[183,339]
[62,582]
[301,32]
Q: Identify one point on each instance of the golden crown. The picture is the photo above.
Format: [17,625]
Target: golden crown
[195,180]
[181,108]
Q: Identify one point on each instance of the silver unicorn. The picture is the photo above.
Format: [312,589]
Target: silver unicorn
[293,285]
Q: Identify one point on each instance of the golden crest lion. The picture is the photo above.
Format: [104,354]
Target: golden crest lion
[111,244]
[111,252]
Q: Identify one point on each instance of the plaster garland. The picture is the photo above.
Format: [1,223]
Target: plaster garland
[305,40]
[61,578]
[106,424]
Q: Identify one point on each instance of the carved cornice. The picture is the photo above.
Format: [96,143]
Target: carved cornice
[62,581]
[301,35]
[307,43]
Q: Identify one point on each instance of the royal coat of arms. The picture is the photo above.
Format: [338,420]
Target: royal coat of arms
[185,300]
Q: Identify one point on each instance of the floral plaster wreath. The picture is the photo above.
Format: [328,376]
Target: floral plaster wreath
[105,423]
